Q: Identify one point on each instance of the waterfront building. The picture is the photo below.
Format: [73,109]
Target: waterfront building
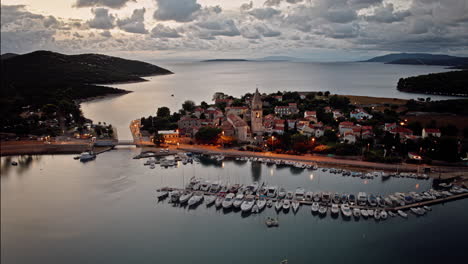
[431,132]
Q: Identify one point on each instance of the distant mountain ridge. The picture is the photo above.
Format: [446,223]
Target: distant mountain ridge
[421,59]
[8,55]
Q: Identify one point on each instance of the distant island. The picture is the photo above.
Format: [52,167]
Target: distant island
[45,81]
[223,60]
[454,83]
[422,59]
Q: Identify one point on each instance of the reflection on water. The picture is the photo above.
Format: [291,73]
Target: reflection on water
[256,169]
[106,212]
[24,163]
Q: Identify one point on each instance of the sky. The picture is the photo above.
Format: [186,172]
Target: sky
[320,30]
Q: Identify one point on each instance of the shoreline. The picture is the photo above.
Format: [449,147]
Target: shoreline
[436,171]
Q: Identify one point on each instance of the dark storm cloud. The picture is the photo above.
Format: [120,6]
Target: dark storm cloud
[107,3]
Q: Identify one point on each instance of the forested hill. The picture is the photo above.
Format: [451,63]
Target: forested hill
[453,83]
[43,77]
[422,59]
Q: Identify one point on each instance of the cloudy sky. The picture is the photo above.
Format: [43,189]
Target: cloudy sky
[321,30]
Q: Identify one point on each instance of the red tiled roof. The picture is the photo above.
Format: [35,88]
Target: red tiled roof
[432,130]
[401,130]
[346,123]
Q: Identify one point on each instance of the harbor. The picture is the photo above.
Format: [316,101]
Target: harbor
[116,192]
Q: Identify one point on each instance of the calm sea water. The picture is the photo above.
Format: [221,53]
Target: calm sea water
[57,210]
[198,81]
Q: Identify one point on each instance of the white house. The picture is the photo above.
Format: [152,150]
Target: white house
[360,114]
[430,132]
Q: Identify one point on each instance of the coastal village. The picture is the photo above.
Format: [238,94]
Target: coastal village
[299,123]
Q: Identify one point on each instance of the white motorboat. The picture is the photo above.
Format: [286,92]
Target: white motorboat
[219,201]
[326,197]
[261,203]
[392,214]
[185,196]
[345,210]
[271,222]
[271,191]
[286,205]
[362,198]
[323,210]
[279,205]
[402,214]
[299,195]
[295,206]
[336,198]
[87,156]
[356,212]
[210,199]
[196,198]
[215,187]
[248,203]
[309,196]
[238,200]
[205,186]
[370,212]
[335,209]
[228,200]
[282,193]
[255,209]
[383,215]
[372,200]
[289,195]
[269,203]
[316,197]
[427,208]
[161,193]
[364,213]
[377,214]
[315,207]
[174,195]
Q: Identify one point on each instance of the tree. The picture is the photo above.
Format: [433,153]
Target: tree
[204,105]
[163,112]
[327,93]
[330,136]
[202,116]
[49,109]
[208,134]
[449,130]
[320,93]
[188,106]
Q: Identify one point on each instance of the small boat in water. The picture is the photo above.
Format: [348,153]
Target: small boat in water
[248,203]
[336,198]
[402,214]
[279,205]
[299,195]
[282,193]
[210,199]
[238,200]
[295,206]
[383,215]
[315,207]
[323,210]
[174,195]
[364,213]
[271,222]
[269,203]
[309,196]
[261,203]
[356,212]
[271,191]
[255,209]
[377,214]
[162,193]
[219,201]
[289,195]
[87,156]
[335,209]
[345,210]
[392,214]
[227,203]
[196,198]
[370,212]
[427,208]
[286,205]
[352,199]
[316,197]
[185,196]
